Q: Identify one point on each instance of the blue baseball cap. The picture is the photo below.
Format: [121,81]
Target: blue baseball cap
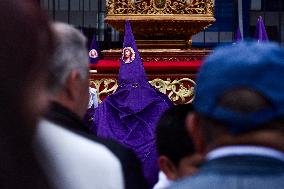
[251,65]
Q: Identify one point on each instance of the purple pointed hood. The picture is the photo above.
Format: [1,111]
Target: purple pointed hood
[132,80]
[260,32]
[129,115]
[131,66]
[94,51]
[238,35]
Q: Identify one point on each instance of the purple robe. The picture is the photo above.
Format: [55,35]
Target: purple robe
[89,116]
[129,116]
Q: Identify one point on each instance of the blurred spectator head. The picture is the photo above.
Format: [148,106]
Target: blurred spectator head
[69,71]
[240,94]
[176,151]
[25,49]
[26,45]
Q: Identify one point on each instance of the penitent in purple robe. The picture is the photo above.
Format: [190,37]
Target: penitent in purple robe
[260,31]
[129,115]
[238,35]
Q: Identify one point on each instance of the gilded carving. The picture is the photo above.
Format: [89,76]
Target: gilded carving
[180,91]
[160,6]
[168,59]
[210,7]
[161,19]
[109,7]
[104,87]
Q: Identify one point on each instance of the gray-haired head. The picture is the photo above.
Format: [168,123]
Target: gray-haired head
[70,54]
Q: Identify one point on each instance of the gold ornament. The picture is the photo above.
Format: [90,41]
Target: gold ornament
[179,91]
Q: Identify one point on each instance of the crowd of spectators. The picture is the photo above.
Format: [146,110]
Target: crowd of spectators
[232,135]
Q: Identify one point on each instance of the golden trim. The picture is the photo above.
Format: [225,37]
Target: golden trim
[135,17]
[180,91]
[148,55]
[160,7]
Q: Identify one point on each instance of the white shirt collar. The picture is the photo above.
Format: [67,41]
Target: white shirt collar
[245,150]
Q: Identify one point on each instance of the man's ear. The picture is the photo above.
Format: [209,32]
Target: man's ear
[195,132]
[72,85]
[168,168]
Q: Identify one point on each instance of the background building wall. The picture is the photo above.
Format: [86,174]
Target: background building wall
[88,15]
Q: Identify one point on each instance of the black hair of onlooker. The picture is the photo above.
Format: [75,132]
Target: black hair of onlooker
[172,138]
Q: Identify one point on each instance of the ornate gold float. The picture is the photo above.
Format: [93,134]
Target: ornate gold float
[161,23]
[163,30]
